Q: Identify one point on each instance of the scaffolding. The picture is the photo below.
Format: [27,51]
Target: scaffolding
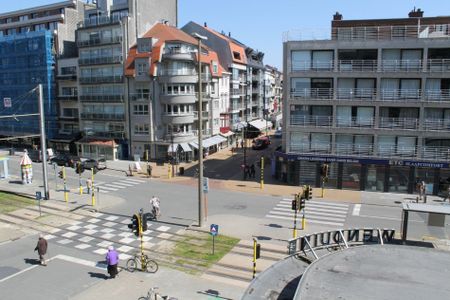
[26,60]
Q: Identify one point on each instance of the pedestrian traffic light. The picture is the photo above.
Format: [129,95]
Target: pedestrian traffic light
[135,225]
[61,174]
[294,203]
[302,203]
[144,218]
[258,251]
[308,192]
[324,170]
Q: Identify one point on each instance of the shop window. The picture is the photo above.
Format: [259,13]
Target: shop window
[351,176]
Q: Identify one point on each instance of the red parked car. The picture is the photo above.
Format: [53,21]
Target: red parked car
[261,143]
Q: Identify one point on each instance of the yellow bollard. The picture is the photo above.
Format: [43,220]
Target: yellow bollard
[66,193]
[169,171]
[303,221]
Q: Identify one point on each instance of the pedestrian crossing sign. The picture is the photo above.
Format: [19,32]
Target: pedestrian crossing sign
[214,229]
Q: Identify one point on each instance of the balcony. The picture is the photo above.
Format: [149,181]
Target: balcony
[99,41]
[101,98]
[97,21]
[101,116]
[438,65]
[205,115]
[101,79]
[205,132]
[414,65]
[357,65]
[100,60]
[107,134]
[69,76]
[179,54]
[313,93]
[355,122]
[179,98]
[356,94]
[353,149]
[436,153]
[399,123]
[140,97]
[236,107]
[178,118]
[312,121]
[437,95]
[436,124]
[67,97]
[400,94]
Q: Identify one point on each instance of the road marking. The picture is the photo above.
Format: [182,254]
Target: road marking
[389,218]
[121,184]
[109,187]
[321,202]
[307,220]
[307,211]
[136,180]
[307,215]
[61,257]
[130,182]
[356,209]
[327,208]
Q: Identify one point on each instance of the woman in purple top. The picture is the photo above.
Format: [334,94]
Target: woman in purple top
[112,259]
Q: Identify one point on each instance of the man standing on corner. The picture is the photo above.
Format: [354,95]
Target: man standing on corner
[41,248]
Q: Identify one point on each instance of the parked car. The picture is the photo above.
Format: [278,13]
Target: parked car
[96,164]
[66,160]
[261,143]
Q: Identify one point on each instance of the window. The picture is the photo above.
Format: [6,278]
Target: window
[23,18]
[215,67]
[53,25]
[11,31]
[25,29]
[141,69]
[141,109]
[69,70]
[144,45]
[39,27]
[236,55]
[69,91]
[141,129]
[70,112]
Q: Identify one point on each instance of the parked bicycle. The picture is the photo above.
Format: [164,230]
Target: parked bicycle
[153,294]
[147,264]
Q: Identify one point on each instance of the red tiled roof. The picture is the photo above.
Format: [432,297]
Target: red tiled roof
[233,47]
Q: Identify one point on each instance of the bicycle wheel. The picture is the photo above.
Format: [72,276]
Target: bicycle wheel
[131,265]
[152,266]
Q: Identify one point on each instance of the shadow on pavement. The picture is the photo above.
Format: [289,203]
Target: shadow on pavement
[212,293]
[32,261]
[98,275]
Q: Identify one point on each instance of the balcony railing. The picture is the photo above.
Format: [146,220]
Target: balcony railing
[400,94]
[399,123]
[106,98]
[68,97]
[100,60]
[436,124]
[438,65]
[99,41]
[140,97]
[357,65]
[205,115]
[436,153]
[100,116]
[413,65]
[355,122]
[354,149]
[313,93]
[356,94]
[315,121]
[205,132]
[234,107]
[102,79]
[177,72]
[308,65]
[107,134]
[237,93]
[437,95]
[100,20]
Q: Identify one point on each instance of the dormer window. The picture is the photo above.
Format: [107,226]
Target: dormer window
[215,67]
[236,55]
[144,45]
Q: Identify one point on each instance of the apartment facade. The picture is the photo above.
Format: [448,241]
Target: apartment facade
[31,42]
[103,41]
[246,69]
[372,101]
[162,75]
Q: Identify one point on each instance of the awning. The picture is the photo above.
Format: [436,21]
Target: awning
[229,133]
[185,147]
[240,125]
[208,142]
[172,148]
[261,124]
[217,139]
[194,145]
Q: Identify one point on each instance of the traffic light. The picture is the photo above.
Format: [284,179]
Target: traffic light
[294,203]
[302,203]
[144,218]
[324,170]
[135,224]
[79,168]
[258,251]
[308,192]
[61,174]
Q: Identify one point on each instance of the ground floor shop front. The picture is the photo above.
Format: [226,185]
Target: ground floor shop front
[378,175]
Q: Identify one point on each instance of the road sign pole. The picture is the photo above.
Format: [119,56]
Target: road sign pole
[213,243]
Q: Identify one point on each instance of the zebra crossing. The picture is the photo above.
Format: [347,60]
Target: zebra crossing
[316,212]
[114,186]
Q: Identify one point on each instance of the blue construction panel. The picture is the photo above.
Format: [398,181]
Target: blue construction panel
[27,60]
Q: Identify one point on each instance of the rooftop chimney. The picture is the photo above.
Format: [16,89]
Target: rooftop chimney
[229,33]
[205,25]
[416,13]
[337,17]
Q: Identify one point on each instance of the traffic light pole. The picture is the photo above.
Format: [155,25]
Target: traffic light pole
[294,235]
[43,144]
[142,242]
[92,187]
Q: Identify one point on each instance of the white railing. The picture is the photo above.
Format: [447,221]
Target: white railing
[358,65]
[313,93]
[437,95]
[400,94]
[356,94]
[398,123]
[205,114]
[414,65]
[436,153]
[309,65]
[315,121]
[177,72]
[438,65]
[353,149]
[355,122]
[436,124]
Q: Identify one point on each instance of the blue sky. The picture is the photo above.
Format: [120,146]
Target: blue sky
[261,23]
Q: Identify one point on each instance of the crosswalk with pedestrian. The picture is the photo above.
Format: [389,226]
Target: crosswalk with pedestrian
[316,212]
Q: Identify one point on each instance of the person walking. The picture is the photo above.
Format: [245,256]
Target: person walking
[41,248]
[88,185]
[252,171]
[154,205]
[447,195]
[112,260]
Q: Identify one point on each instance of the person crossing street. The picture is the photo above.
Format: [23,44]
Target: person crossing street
[155,207]
[41,248]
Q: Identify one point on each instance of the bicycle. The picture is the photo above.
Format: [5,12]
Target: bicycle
[147,264]
[153,294]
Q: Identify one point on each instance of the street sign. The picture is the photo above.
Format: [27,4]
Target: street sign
[38,196]
[7,102]
[214,229]
[205,184]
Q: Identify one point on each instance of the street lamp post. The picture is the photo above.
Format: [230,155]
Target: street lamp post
[201,208]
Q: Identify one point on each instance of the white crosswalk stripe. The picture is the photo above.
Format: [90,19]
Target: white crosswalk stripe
[316,212]
[109,187]
[136,180]
[122,184]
